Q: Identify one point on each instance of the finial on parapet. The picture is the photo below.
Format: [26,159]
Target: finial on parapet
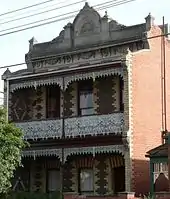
[86,5]
[32,42]
[105,17]
[149,21]
[6,74]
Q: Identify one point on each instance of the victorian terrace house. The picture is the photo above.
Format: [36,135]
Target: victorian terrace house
[89,105]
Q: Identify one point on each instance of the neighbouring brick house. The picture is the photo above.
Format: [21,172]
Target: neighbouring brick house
[89,105]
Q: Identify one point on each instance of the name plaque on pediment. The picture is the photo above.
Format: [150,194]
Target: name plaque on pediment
[74,60]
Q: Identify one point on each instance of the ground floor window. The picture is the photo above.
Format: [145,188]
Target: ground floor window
[86,181]
[53,180]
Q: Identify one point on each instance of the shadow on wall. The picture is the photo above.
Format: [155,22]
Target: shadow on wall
[141,179]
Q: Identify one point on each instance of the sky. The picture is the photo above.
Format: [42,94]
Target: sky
[14,46]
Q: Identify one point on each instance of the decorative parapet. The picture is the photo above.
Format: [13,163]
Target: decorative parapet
[74,151]
[94,125]
[41,129]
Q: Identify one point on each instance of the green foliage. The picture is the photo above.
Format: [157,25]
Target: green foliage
[11,145]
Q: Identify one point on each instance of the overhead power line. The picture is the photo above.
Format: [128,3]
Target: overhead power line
[73,12]
[39,13]
[44,58]
[24,8]
[30,11]
[60,19]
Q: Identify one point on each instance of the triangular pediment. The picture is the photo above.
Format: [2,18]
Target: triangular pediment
[88,21]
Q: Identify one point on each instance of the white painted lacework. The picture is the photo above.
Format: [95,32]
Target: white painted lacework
[160,168]
[78,126]
[93,75]
[41,129]
[94,125]
[67,79]
[74,151]
[42,152]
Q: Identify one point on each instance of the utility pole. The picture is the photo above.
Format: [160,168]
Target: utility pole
[63,137]
[163,83]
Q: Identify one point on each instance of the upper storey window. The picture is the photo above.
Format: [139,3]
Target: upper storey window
[85,96]
[53,102]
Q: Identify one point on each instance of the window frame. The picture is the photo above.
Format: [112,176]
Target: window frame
[47,179]
[49,97]
[79,181]
[89,90]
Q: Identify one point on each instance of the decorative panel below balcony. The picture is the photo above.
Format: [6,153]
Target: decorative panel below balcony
[94,125]
[41,129]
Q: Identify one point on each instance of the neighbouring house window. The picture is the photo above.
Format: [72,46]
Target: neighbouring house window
[86,181]
[85,92]
[53,102]
[53,180]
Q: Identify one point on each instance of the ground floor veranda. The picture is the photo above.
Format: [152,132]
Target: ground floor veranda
[82,174]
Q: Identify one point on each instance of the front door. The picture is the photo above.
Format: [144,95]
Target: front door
[118,179]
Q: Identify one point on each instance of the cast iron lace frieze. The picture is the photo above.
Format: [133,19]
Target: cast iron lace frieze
[43,152]
[67,80]
[93,150]
[74,151]
[34,83]
[93,75]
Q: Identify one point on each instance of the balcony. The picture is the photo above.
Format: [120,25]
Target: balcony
[77,126]
[41,129]
[94,125]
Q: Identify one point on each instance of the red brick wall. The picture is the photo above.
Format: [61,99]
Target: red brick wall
[146,111]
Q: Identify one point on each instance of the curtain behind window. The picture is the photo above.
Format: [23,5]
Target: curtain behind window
[86,180]
[53,180]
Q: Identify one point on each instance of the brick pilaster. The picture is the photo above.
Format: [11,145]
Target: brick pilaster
[128,123]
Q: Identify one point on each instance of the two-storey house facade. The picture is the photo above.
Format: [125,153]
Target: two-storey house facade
[82,106]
